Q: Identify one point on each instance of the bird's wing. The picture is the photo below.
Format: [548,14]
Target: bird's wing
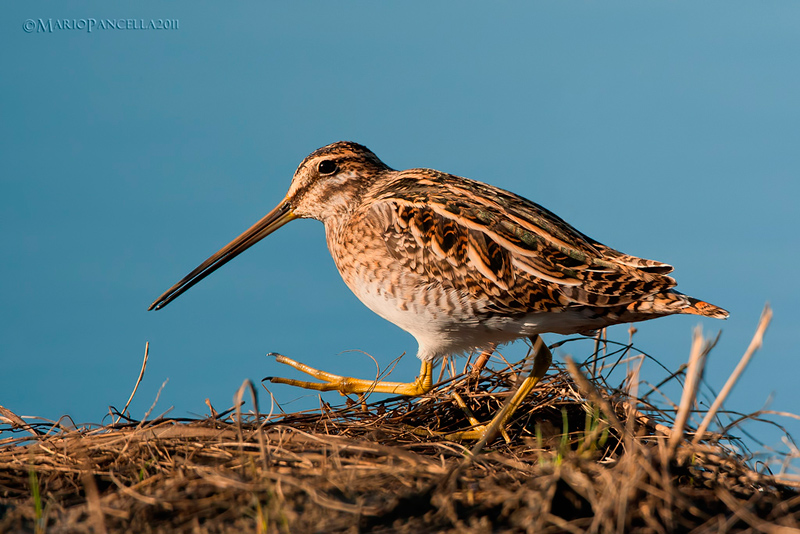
[497,245]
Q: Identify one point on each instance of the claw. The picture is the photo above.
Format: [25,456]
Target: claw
[346,385]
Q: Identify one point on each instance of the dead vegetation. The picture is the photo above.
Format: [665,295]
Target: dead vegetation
[582,457]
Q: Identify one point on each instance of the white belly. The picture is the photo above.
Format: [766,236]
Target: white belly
[446,325]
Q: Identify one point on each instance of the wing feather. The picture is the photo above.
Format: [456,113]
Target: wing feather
[494,245]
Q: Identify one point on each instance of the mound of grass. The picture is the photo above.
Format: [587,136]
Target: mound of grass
[581,456]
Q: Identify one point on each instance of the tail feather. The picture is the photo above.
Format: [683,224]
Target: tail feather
[669,302]
[701,307]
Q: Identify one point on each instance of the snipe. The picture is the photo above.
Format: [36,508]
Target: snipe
[459,264]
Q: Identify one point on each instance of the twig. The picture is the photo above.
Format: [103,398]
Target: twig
[238,401]
[155,401]
[16,420]
[694,373]
[591,392]
[755,344]
[93,500]
[632,394]
[138,381]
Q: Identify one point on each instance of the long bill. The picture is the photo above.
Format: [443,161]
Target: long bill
[273,220]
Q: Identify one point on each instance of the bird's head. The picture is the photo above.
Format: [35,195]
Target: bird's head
[330,181]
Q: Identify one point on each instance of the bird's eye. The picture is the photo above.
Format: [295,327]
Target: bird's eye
[326,167]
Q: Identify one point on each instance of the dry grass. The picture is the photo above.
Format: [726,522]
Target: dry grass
[583,457]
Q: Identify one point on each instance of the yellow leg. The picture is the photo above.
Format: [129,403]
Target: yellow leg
[477,428]
[346,385]
[542,358]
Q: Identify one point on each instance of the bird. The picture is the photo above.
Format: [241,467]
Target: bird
[459,264]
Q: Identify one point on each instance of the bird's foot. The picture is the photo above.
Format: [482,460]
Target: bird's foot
[484,433]
[475,432]
[347,385]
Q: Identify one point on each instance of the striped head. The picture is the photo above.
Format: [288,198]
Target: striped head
[331,180]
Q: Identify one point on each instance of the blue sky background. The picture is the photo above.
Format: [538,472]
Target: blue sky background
[668,130]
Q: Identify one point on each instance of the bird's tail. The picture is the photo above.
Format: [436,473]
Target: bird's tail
[701,307]
[669,302]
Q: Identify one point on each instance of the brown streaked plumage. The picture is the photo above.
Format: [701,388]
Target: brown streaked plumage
[457,263]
